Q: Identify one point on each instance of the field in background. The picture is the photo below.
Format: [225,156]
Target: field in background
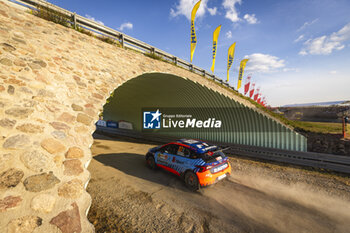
[320,127]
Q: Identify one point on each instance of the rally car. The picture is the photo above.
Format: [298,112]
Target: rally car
[197,162]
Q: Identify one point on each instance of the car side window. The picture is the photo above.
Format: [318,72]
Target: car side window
[184,152]
[165,149]
[180,151]
[187,153]
[170,149]
[173,149]
[194,155]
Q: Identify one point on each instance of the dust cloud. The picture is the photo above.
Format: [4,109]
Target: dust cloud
[297,207]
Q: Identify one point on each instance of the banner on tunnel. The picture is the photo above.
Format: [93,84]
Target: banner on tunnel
[215,43]
[230,56]
[246,86]
[256,96]
[251,92]
[241,70]
[193,31]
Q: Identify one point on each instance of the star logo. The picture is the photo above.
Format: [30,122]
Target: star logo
[156,115]
[151,120]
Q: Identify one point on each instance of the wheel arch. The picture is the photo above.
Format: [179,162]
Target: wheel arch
[149,154]
[188,170]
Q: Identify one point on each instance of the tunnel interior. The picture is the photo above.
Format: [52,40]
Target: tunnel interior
[243,125]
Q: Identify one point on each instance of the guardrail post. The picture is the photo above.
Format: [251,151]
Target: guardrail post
[74,19]
[175,60]
[153,50]
[204,73]
[121,38]
[191,67]
[344,127]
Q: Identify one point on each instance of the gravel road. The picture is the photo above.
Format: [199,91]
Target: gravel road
[258,197]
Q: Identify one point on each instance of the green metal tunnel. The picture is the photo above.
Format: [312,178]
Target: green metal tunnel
[158,90]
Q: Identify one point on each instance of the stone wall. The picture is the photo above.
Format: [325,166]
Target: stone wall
[328,143]
[53,84]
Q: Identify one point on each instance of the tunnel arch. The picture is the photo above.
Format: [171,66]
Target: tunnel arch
[163,90]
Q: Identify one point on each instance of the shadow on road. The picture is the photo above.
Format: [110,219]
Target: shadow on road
[120,138]
[135,165]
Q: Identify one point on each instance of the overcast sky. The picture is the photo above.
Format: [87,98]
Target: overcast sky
[299,50]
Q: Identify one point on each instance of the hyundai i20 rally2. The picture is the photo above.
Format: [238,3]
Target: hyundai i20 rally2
[197,162]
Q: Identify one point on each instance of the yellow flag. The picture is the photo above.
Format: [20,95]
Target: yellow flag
[230,56]
[240,75]
[215,43]
[193,32]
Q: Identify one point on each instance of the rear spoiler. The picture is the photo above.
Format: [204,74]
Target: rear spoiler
[220,149]
[225,148]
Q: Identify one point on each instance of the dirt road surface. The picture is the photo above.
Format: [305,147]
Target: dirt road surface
[258,197]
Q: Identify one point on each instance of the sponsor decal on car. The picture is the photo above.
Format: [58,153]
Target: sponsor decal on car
[220,168]
[163,156]
[179,162]
[221,177]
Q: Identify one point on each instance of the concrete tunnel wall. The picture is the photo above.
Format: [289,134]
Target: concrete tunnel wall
[54,82]
[159,90]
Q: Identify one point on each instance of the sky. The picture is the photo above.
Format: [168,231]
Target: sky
[298,51]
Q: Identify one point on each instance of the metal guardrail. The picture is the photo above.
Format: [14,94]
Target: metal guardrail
[125,40]
[330,162]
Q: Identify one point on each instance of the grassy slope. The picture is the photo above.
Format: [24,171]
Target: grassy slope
[320,127]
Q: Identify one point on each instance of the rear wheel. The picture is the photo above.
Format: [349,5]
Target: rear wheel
[191,181]
[151,163]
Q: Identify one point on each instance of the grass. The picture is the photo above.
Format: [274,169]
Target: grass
[154,56]
[108,40]
[160,58]
[320,127]
[51,15]
[56,17]
[83,30]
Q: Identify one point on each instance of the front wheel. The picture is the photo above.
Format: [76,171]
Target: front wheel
[191,181]
[151,163]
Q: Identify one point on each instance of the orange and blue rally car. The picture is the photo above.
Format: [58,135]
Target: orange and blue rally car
[197,162]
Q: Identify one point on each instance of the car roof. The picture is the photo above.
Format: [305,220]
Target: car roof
[197,145]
